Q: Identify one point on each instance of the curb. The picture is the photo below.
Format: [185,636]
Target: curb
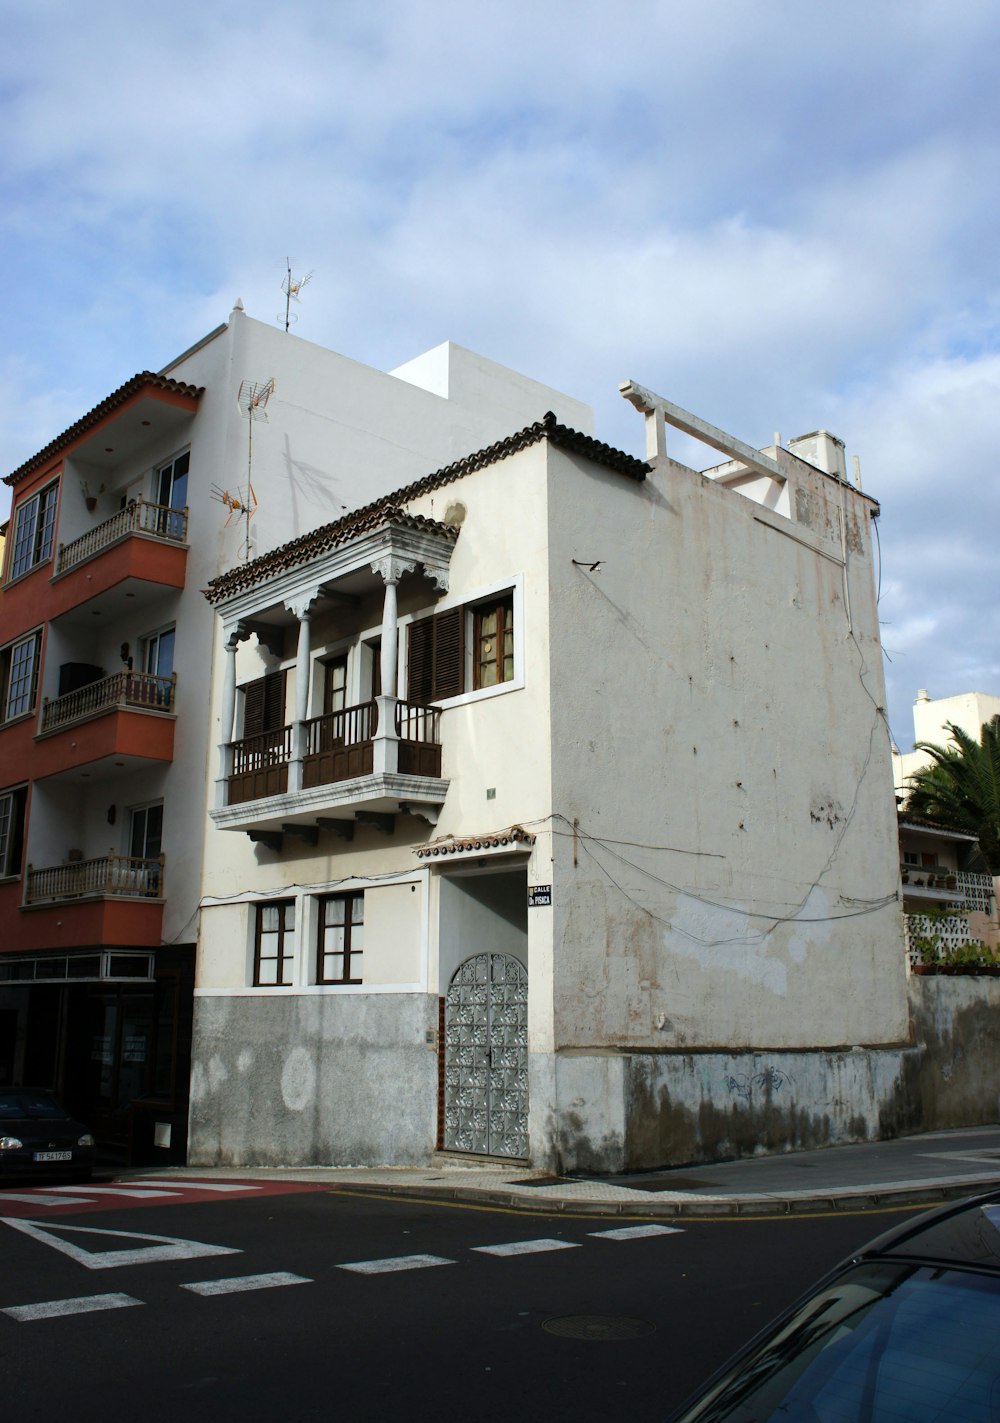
[715,1207]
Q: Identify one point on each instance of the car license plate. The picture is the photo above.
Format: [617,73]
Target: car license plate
[53,1156]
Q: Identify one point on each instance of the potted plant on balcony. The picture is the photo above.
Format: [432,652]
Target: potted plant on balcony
[89,499]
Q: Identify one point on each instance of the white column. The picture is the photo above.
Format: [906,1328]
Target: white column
[302,670]
[386,748]
[390,638]
[227,711]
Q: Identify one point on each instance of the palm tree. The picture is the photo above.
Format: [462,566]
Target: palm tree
[962,788]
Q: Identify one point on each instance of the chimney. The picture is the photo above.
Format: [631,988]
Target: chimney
[823,450]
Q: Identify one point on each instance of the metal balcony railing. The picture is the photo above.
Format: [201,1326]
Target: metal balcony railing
[138,517]
[142,691]
[128,876]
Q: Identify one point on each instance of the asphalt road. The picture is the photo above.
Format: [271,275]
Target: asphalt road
[302,1318]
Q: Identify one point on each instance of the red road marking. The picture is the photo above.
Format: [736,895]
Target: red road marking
[42,1202]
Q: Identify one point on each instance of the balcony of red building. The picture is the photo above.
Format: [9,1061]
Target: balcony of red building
[127,717]
[106,900]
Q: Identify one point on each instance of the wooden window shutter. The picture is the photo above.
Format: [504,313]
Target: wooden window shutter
[449,655]
[436,657]
[264,704]
[420,661]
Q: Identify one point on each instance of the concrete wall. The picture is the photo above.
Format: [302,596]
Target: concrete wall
[717,741]
[952,1078]
[302,1080]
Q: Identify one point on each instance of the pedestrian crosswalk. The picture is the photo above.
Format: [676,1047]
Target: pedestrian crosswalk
[384,1265]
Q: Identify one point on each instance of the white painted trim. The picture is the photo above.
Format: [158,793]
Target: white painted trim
[304,990]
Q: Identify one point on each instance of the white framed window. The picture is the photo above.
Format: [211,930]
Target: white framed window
[468,650]
[34,531]
[172,495]
[19,675]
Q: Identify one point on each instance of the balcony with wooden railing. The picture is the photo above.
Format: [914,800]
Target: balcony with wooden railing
[143,691]
[111,875]
[139,516]
[343,769]
[260,765]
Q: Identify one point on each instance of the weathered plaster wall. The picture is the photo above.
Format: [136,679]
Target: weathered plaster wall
[308,1079]
[716,735]
[953,1077]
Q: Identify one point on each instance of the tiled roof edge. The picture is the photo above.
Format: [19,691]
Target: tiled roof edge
[307,546]
[329,535]
[473,844]
[93,417]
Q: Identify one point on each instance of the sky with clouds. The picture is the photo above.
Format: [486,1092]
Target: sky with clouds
[781,215]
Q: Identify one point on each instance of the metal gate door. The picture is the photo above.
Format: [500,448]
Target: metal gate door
[486,1057]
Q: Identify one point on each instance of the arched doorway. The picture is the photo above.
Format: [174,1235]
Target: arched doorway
[486,1057]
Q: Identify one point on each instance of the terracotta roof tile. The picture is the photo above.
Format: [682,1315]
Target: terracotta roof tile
[514,837]
[93,417]
[307,546]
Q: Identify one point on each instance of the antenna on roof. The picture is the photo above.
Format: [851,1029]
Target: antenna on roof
[292,286]
[252,401]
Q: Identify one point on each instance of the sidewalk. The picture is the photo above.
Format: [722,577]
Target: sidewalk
[932,1167]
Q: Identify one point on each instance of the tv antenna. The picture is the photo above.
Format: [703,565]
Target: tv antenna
[252,401]
[292,286]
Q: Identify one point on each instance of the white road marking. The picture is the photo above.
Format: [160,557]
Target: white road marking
[246,1282]
[39,1200]
[165,1247]
[111,1191]
[635,1232]
[53,1309]
[395,1262]
[200,1185]
[526,1247]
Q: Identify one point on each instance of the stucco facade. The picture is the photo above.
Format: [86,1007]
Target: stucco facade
[105,743]
[665,831]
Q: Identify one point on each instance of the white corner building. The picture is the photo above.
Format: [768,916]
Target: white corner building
[551,811]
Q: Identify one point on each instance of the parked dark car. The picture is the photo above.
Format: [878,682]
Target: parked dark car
[906,1331]
[39,1138]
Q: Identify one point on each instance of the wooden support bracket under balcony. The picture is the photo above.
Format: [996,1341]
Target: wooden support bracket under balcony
[308,833]
[343,829]
[270,839]
[384,824]
[430,813]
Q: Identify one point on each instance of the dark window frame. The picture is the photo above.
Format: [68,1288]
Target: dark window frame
[500,605]
[13,817]
[350,900]
[282,957]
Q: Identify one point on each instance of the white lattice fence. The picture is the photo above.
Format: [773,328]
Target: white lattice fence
[977,890]
[951,931]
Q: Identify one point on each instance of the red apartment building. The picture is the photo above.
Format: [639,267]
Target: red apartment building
[92,1003]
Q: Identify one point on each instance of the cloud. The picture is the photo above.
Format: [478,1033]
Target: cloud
[777,215]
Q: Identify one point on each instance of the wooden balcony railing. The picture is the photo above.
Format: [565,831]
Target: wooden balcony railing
[142,690]
[419,731]
[138,517]
[340,745]
[130,876]
[260,765]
